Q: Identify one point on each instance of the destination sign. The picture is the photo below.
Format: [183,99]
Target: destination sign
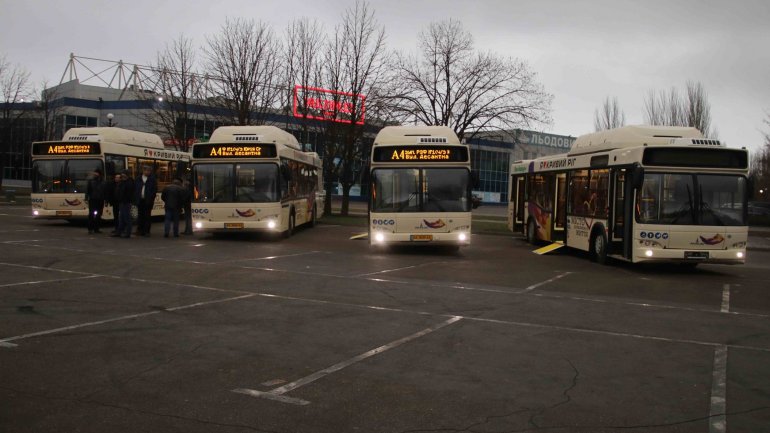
[420,154]
[66,149]
[215,151]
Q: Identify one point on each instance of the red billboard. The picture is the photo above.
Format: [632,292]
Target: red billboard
[330,105]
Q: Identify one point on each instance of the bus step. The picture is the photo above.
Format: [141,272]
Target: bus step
[548,248]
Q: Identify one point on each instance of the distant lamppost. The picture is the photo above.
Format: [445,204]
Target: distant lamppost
[110,116]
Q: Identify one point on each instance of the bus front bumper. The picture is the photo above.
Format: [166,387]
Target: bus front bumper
[266,225]
[38,213]
[459,238]
[731,256]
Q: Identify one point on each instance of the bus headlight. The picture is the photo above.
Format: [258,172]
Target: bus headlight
[648,253]
[271,224]
[739,254]
[462,237]
[35,213]
[379,237]
[198,225]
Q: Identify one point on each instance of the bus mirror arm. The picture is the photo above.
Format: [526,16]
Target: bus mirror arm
[637,175]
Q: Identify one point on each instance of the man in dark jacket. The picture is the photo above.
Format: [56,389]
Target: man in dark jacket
[144,196]
[173,197]
[95,199]
[124,195]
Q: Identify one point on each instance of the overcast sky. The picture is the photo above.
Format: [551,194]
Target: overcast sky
[582,51]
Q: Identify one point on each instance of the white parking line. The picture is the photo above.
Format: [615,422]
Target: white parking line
[717,411]
[550,280]
[273,257]
[277,393]
[725,299]
[397,269]
[6,342]
[57,280]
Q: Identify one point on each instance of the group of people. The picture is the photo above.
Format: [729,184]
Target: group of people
[123,192]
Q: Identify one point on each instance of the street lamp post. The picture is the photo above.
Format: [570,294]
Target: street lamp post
[110,116]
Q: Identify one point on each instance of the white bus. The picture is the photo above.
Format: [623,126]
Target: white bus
[255,178]
[421,183]
[60,169]
[637,193]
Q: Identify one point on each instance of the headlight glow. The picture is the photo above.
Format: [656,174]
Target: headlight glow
[739,254]
[462,237]
[648,253]
[379,237]
[271,224]
[35,213]
[198,225]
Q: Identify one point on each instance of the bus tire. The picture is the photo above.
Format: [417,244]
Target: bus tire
[531,232]
[290,230]
[599,246]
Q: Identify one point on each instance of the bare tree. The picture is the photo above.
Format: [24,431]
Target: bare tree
[177,88]
[609,116]
[50,109]
[14,88]
[304,44]
[450,83]
[355,64]
[759,174]
[245,59]
[671,109]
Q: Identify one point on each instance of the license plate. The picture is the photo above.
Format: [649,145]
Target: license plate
[696,255]
[422,237]
[63,213]
[233,225]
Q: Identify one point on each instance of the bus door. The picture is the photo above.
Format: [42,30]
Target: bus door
[622,212]
[560,209]
[516,206]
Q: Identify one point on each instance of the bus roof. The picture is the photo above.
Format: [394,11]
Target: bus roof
[115,135]
[390,135]
[635,135]
[254,134]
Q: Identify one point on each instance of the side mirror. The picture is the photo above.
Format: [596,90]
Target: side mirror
[475,201]
[637,176]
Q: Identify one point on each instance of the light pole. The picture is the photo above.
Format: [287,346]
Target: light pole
[110,116]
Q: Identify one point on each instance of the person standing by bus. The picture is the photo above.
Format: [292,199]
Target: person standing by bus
[144,196]
[95,199]
[109,197]
[124,194]
[173,197]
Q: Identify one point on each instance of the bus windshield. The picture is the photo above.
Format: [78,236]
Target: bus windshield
[63,176]
[236,183]
[421,190]
[692,199]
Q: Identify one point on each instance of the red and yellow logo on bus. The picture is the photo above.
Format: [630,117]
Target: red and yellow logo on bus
[248,213]
[714,240]
[75,202]
[439,223]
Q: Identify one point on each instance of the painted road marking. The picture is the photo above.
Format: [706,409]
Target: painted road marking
[398,269]
[4,342]
[725,299]
[57,280]
[717,417]
[273,257]
[550,280]
[277,393]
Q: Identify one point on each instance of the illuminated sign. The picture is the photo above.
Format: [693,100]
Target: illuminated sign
[330,105]
[420,154]
[217,151]
[43,149]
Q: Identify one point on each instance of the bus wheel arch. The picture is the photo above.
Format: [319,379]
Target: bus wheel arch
[290,223]
[598,244]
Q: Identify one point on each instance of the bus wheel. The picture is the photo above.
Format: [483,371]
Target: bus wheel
[289,231]
[599,248]
[531,232]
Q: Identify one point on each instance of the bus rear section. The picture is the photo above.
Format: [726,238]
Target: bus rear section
[421,185]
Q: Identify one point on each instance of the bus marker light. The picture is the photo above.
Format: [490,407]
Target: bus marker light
[648,253]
